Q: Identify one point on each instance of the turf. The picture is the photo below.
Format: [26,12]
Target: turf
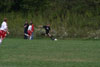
[47,53]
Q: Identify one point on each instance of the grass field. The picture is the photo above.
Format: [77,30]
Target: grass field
[47,53]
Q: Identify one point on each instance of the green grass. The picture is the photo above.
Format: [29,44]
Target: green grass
[47,53]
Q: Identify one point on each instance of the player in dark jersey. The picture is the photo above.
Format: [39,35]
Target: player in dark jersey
[25,30]
[47,31]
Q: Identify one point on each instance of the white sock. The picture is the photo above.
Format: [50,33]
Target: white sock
[30,38]
[0,41]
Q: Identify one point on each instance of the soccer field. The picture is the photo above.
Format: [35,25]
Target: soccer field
[48,53]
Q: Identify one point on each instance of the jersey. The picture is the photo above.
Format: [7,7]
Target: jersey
[25,28]
[3,29]
[30,27]
[30,30]
[47,29]
[4,26]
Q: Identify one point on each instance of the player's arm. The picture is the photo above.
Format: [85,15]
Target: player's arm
[40,26]
[25,26]
[6,28]
[7,31]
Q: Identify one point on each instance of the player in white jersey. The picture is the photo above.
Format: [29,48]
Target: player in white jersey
[3,30]
[30,30]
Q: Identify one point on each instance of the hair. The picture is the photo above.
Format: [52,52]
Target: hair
[48,24]
[5,19]
[30,23]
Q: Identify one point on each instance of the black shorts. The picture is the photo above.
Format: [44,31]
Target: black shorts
[47,32]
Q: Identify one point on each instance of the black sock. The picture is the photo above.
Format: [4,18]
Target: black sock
[52,38]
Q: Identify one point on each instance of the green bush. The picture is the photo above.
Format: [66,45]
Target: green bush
[71,25]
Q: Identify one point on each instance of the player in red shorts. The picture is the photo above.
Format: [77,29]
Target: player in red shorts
[3,30]
[30,31]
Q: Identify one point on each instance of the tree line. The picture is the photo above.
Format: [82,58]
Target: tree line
[60,6]
[69,18]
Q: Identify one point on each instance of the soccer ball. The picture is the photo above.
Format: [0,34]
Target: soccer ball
[55,39]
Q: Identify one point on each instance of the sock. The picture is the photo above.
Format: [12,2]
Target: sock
[30,38]
[0,41]
[52,38]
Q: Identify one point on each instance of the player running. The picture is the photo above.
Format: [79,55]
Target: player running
[25,30]
[3,30]
[47,31]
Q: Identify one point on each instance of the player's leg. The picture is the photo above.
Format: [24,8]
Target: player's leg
[1,34]
[2,37]
[32,36]
[51,36]
[0,40]
[26,35]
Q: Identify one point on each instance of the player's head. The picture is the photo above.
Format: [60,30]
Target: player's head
[5,19]
[48,24]
[31,22]
[26,21]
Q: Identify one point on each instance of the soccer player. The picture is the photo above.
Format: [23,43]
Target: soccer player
[30,31]
[47,31]
[3,30]
[25,30]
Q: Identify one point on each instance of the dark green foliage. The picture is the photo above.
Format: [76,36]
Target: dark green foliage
[73,18]
[79,6]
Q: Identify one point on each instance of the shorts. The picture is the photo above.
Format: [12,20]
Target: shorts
[47,32]
[3,34]
[29,33]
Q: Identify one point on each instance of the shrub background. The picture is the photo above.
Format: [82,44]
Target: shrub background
[68,19]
